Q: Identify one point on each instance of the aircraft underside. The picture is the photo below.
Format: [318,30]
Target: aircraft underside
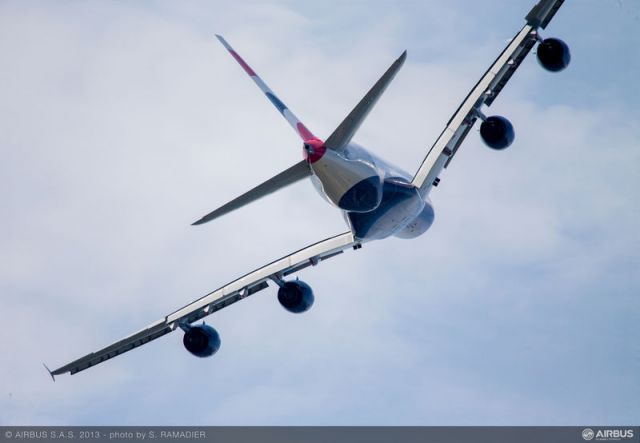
[402,212]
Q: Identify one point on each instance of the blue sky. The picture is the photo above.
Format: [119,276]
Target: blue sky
[122,123]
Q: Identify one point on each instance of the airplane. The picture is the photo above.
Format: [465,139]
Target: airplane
[377,199]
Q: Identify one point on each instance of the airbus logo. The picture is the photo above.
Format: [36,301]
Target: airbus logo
[607,434]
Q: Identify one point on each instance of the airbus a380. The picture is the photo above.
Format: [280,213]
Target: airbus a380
[377,200]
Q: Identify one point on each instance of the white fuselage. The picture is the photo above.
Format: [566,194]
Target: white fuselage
[377,198]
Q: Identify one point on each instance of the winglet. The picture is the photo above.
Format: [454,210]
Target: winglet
[49,371]
[543,12]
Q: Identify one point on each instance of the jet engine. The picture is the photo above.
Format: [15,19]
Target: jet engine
[201,340]
[295,296]
[497,132]
[553,54]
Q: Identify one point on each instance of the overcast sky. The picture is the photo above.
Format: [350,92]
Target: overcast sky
[123,122]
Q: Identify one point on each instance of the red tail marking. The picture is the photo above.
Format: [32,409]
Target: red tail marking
[304,132]
[318,149]
[244,65]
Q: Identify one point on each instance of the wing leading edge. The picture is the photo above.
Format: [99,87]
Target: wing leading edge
[220,298]
[483,93]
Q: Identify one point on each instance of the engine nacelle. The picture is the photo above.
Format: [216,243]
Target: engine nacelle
[553,54]
[201,340]
[497,132]
[295,296]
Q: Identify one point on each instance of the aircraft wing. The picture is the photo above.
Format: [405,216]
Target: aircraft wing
[220,298]
[483,93]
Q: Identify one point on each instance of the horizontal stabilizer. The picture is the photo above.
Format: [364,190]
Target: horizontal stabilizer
[295,173]
[343,133]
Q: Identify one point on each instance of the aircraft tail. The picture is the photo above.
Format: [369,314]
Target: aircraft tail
[287,177]
[351,184]
[294,121]
[343,181]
